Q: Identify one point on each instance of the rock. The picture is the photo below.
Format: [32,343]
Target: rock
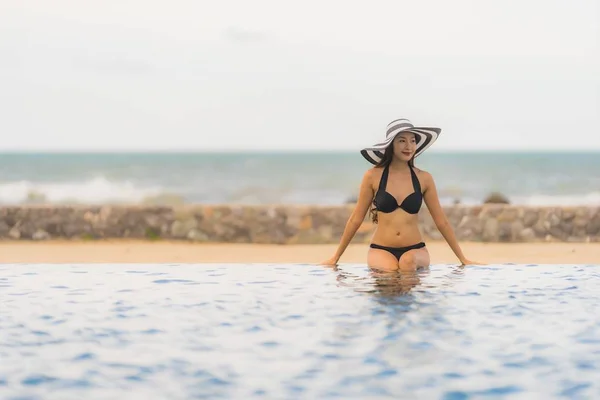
[550,238]
[306,223]
[496,198]
[508,215]
[469,226]
[91,217]
[558,233]
[541,227]
[491,211]
[180,229]
[530,217]
[326,233]
[504,231]
[593,227]
[197,235]
[580,222]
[490,230]
[527,235]
[565,227]
[568,214]
[4,228]
[14,233]
[516,227]
[435,234]
[579,232]
[289,224]
[40,234]
[553,218]
[152,220]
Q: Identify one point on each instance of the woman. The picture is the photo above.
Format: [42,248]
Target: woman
[397,190]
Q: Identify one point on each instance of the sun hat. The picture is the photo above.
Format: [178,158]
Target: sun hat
[425,137]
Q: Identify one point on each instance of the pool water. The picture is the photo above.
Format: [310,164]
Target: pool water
[295,331]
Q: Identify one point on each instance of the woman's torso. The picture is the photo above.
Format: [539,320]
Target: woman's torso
[398,196]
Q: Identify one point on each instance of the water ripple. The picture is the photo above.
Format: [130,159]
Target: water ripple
[298,331]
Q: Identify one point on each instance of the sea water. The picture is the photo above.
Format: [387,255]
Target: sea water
[323,178]
[295,331]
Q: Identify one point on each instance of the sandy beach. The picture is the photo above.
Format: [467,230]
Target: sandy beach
[125,251]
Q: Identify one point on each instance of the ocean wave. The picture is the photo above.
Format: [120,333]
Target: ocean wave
[93,191]
[588,199]
[100,190]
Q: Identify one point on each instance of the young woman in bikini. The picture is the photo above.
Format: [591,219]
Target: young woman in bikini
[397,189]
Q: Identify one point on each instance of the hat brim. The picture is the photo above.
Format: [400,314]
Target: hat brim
[426,137]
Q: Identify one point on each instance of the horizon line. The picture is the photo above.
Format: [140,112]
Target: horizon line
[300,151]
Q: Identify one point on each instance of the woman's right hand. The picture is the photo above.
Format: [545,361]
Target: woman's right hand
[332,262]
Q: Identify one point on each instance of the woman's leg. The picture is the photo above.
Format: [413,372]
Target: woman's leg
[413,259]
[381,260]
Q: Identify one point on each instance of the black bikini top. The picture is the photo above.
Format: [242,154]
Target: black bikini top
[387,203]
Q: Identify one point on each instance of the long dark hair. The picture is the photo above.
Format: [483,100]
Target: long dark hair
[386,160]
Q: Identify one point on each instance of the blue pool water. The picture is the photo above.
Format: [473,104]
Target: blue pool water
[215,331]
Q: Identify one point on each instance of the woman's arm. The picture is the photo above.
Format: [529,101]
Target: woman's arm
[365,197]
[439,217]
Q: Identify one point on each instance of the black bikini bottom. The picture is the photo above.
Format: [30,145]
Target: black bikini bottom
[398,251]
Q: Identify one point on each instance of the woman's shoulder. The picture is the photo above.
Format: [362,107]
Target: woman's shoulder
[373,173]
[421,171]
[424,176]
[374,170]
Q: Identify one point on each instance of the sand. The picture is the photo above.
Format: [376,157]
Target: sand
[125,251]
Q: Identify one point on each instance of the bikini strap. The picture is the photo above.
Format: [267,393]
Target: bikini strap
[384,178]
[415,181]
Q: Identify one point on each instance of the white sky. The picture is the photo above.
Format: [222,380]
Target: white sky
[272,74]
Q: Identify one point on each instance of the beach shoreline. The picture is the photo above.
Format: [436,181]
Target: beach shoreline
[164,251]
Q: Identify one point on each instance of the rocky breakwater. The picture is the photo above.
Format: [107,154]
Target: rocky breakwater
[287,224]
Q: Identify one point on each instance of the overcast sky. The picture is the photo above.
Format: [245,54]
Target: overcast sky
[318,74]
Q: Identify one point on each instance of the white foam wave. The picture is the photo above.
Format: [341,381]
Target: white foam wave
[94,191]
[589,199]
[101,190]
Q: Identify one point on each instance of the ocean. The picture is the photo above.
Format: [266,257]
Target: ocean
[298,331]
[318,178]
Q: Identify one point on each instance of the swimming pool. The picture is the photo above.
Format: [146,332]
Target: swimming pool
[182,331]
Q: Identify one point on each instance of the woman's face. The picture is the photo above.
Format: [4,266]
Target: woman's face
[405,145]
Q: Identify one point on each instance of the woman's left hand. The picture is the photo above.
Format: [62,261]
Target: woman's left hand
[469,262]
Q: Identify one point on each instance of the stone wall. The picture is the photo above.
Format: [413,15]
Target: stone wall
[287,224]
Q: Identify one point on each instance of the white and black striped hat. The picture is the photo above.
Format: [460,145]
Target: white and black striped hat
[425,137]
